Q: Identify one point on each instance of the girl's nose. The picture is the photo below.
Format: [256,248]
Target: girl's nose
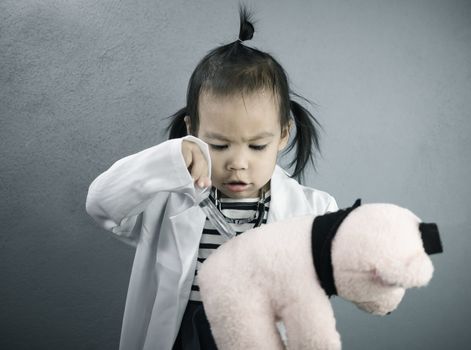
[237,162]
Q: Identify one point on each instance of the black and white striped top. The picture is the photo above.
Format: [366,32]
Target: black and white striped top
[211,239]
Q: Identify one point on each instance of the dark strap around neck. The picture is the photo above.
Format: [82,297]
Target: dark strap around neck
[324,229]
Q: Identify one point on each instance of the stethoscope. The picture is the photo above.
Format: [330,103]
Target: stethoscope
[259,214]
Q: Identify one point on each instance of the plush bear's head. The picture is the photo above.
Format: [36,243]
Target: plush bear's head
[377,253]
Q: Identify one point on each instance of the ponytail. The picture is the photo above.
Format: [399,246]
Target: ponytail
[177,126]
[306,139]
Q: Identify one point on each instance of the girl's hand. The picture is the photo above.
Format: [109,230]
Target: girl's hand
[196,163]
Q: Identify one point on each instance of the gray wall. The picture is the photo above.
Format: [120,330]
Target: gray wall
[84,83]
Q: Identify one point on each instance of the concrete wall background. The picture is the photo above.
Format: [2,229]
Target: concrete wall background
[84,83]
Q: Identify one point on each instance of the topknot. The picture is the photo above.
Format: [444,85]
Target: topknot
[246,27]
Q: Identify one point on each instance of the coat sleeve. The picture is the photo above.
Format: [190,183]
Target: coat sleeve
[117,197]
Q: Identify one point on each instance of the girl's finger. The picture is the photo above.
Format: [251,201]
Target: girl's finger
[200,168]
[207,182]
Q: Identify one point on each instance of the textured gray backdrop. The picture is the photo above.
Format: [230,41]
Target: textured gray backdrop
[84,83]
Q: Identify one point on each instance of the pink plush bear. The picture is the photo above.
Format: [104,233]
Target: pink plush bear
[286,271]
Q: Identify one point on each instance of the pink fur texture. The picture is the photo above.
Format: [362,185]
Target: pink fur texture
[267,274]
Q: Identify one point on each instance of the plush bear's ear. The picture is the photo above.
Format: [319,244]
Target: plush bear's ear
[430,238]
[417,272]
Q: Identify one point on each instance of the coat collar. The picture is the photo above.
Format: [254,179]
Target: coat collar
[287,197]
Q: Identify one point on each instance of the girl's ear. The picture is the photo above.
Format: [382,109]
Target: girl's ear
[188,124]
[285,136]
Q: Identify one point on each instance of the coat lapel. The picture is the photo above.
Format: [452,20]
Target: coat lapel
[176,262]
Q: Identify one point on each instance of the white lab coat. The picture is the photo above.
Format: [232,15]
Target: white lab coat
[148,200]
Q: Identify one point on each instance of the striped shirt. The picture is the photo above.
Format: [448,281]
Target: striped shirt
[211,239]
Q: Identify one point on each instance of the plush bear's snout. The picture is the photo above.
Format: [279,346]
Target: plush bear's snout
[384,303]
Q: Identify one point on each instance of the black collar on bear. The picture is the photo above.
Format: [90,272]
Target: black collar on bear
[324,229]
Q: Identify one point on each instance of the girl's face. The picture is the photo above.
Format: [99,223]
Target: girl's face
[244,138]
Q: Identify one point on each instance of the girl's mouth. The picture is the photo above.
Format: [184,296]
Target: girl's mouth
[236,186]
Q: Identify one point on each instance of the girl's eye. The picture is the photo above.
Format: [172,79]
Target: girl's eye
[259,147]
[218,147]
[223,147]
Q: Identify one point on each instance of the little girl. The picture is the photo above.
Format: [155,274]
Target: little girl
[237,119]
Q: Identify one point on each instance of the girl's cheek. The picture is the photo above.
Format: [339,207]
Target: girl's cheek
[215,159]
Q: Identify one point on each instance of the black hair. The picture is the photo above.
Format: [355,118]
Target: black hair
[236,68]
